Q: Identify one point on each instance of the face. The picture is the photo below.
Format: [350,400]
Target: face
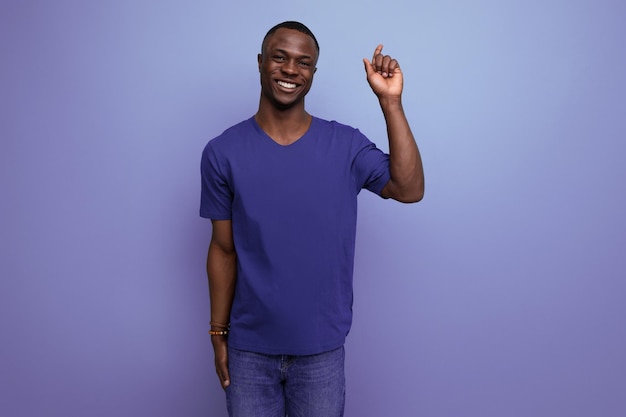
[287,66]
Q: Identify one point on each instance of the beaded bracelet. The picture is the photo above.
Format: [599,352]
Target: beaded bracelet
[218,332]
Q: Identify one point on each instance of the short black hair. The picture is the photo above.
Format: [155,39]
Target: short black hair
[290,24]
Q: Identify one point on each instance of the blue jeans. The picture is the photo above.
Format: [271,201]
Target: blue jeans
[282,385]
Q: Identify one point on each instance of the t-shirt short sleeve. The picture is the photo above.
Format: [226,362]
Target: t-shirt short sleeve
[216,196]
[370,167]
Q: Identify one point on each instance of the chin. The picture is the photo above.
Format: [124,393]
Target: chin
[286,105]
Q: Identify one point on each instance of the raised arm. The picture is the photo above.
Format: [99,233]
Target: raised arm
[221,269]
[407,175]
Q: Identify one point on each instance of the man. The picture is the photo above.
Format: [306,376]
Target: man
[281,191]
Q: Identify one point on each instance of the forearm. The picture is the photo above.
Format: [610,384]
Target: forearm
[405,163]
[407,175]
[222,274]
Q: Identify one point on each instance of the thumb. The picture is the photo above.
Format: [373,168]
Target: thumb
[224,375]
[368,66]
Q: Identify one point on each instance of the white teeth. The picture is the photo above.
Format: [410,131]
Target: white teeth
[286,85]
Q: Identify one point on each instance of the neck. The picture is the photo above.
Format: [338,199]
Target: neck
[285,126]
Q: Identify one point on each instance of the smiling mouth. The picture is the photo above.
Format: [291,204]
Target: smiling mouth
[284,84]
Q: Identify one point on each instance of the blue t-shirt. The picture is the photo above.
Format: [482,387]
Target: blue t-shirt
[293,210]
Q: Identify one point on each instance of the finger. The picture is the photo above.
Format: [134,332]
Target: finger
[223,375]
[369,68]
[377,62]
[377,59]
[389,66]
[221,361]
[377,51]
[380,63]
[384,67]
[394,67]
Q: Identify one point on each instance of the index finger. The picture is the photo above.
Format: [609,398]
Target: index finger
[377,51]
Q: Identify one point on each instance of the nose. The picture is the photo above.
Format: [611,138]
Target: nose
[289,67]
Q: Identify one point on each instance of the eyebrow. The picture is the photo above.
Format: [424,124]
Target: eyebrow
[282,51]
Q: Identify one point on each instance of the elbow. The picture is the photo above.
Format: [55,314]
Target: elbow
[407,189]
[406,195]
[417,198]
[413,194]
[419,194]
[410,198]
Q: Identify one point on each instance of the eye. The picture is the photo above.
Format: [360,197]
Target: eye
[305,64]
[278,58]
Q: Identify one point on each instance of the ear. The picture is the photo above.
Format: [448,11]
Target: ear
[259,58]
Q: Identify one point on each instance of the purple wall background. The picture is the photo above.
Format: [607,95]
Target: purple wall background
[501,294]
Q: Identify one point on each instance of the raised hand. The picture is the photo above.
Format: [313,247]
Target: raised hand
[383,74]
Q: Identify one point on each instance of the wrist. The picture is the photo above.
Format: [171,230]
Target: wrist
[219,326]
[219,329]
[390,102]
